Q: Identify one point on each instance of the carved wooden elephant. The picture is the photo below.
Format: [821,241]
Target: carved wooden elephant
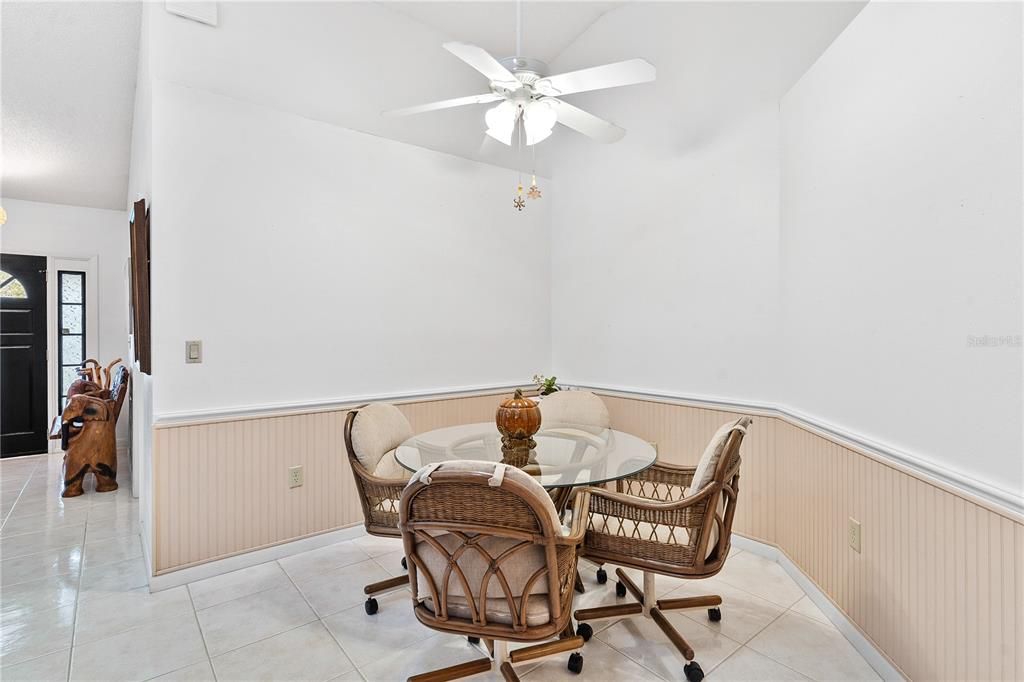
[89,440]
[87,432]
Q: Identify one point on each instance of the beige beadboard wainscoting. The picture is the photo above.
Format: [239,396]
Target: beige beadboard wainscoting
[938,586]
[220,482]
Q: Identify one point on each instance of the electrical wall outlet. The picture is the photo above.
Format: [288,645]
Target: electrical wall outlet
[294,476]
[853,534]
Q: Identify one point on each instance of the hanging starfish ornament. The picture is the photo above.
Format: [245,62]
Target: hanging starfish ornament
[519,202]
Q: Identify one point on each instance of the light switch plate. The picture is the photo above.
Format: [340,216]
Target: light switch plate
[193,352]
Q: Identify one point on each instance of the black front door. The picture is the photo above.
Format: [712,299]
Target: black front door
[22,355]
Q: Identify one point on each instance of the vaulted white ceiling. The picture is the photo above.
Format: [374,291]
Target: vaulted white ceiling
[67,95]
[548,28]
[69,72]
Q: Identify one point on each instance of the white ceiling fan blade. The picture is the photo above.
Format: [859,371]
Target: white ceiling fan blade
[586,123]
[445,104]
[482,61]
[629,72]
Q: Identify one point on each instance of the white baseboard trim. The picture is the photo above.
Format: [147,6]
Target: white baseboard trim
[257,556]
[878,661]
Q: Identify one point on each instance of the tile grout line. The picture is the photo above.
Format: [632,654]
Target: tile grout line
[56,608]
[267,589]
[751,639]
[686,585]
[21,491]
[202,635]
[767,625]
[79,573]
[78,596]
[320,619]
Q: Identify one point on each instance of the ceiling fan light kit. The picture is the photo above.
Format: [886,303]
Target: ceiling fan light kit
[527,93]
[529,98]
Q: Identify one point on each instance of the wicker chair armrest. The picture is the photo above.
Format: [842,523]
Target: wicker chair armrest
[625,518]
[696,500]
[580,512]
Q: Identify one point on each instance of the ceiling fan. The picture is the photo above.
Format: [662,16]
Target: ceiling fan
[529,97]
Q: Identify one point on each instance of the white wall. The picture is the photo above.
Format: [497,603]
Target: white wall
[317,263]
[141,165]
[665,275]
[75,232]
[664,265]
[848,295]
[901,234]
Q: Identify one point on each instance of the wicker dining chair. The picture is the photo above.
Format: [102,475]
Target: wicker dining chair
[489,558]
[669,520]
[372,433]
[578,410]
[574,408]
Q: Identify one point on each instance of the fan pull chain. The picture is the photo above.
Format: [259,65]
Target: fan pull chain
[534,192]
[519,202]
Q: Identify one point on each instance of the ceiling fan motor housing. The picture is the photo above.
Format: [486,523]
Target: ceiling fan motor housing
[525,69]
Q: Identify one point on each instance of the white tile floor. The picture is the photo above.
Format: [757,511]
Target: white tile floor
[75,606]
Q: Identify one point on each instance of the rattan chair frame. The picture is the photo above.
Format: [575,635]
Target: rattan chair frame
[379,498]
[654,497]
[462,504]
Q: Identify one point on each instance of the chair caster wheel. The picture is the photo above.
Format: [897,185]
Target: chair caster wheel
[715,614]
[371,606]
[602,576]
[620,589]
[405,564]
[694,673]
[576,663]
[585,631]
[473,640]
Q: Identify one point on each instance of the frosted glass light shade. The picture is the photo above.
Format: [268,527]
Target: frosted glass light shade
[539,119]
[501,122]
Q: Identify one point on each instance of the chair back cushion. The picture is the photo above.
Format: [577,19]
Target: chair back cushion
[377,429]
[705,472]
[574,408]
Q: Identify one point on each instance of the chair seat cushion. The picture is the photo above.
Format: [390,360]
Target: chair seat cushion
[388,467]
[537,611]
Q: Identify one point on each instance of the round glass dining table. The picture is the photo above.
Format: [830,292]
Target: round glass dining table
[566,455]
